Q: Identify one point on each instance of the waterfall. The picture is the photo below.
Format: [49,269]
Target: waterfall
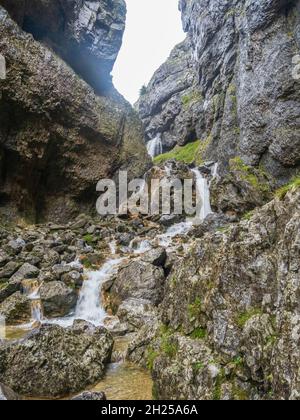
[154,146]
[203,190]
[89,306]
[32,289]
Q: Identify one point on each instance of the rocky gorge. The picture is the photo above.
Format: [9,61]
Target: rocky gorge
[150,307]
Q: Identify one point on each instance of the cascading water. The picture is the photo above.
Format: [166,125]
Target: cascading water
[32,288]
[89,307]
[155,147]
[204,193]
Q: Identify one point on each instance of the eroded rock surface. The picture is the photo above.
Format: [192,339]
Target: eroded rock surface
[53,128]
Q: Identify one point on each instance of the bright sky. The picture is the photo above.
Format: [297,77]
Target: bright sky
[153,28]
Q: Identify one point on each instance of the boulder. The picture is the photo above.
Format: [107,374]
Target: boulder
[138,280]
[27,271]
[156,256]
[16,309]
[54,362]
[136,313]
[9,269]
[57,299]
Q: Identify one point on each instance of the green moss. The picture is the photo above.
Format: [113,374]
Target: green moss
[191,98]
[87,264]
[199,334]
[195,309]
[239,394]
[243,318]
[248,215]
[217,392]
[155,392]
[198,366]
[224,229]
[190,153]
[152,356]
[238,361]
[167,345]
[248,174]
[292,185]
[89,239]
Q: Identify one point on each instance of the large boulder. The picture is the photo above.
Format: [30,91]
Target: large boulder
[54,362]
[57,299]
[54,127]
[87,34]
[137,280]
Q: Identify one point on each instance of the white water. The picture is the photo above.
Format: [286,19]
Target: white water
[182,228]
[139,247]
[204,193]
[154,146]
[89,307]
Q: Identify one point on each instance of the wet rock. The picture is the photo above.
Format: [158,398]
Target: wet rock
[8,289]
[169,220]
[156,256]
[58,300]
[16,309]
[137,280]
[54,361]
[90,396]
[7,394]
[73,279]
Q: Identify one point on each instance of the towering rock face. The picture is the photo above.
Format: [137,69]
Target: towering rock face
[87,34]
[57,136]
[243,98]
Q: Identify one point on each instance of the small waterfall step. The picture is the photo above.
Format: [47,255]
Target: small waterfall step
[155,147]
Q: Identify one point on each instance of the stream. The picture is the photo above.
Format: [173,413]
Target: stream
[123,381]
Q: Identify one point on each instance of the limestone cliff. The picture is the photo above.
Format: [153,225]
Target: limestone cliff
[231,85]
[57,136]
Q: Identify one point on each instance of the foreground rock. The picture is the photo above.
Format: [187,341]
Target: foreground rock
[16,309]
[54,362]
[90,396]
[230,315]
[7,394]
[57,299]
